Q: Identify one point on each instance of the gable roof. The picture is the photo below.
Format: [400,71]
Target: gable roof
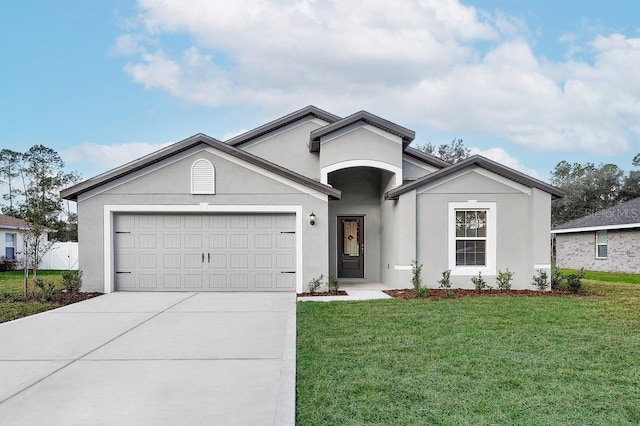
[623,215]
[480,161]
[10,222]
[426,158]
[178,147]
[366,117]
[281,122]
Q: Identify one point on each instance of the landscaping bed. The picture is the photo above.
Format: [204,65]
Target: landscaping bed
[14,307]
[437,293]
[323,293]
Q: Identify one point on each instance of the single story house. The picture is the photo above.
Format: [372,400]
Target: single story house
[607,240]
[11,236]
[308,194]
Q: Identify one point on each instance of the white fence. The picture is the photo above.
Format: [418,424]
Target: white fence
[61,256]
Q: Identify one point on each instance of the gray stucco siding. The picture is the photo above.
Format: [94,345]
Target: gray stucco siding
[411,172]
[169,186]
[515,246]
[578,250]
[289,148]
[361,144]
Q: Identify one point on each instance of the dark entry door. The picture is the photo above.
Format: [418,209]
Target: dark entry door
[351,247]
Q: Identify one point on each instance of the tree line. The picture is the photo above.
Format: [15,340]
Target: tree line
[31,183]
[587,187]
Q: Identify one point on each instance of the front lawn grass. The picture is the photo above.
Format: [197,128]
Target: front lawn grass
[480,360]
[12,287]
[611,277]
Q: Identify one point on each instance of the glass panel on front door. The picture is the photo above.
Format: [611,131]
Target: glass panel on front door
[351,245]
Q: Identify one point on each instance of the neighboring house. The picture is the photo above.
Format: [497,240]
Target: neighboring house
[607,240]
[11,233]
[308,194]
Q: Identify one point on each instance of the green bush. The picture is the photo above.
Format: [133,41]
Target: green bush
[315,283]
[332,282]
[72,281]
[445,282]
[540,280]
[503,279]
[574,281]
[416,270]
[7,264]
[422,291]
[479,282]
[47,288]
[556,277]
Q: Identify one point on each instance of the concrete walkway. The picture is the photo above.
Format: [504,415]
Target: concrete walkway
[352,294]
[152,359]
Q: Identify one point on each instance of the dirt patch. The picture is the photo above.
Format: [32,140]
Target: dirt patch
[323,293]
[437,293]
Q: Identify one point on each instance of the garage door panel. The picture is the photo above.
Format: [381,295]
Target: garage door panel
[148,281]
[172,281]
[239,281]
[286,281]
[217,252]
[171,241]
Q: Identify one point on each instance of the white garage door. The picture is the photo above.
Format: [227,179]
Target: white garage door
[214,252]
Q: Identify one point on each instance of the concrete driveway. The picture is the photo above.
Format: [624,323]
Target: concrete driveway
[152,359]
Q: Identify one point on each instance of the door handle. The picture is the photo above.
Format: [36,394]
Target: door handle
[208,257]
[202,257]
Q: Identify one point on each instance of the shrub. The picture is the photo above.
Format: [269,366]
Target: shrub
[416,270]
[333,284]
[556,277]
[479,282]
[46,287]
[422,291]
[445,282]
[574,281]
[72,281]
[503,280]
[10,296]
[7,264]
[540,280]
[315,284]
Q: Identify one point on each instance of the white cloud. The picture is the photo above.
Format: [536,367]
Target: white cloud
[434,62]
[98,158]
[501,156]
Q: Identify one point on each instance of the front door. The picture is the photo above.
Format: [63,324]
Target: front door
[350,246]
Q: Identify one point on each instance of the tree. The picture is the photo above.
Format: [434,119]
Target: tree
[40,175]
[9,170]
[451,153]
[588,188]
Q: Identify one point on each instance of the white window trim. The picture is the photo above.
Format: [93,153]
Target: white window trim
[213,177]
[204,208]
[14,246]
[490,267]
[599,244]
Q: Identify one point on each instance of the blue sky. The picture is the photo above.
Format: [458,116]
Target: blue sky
[528,83]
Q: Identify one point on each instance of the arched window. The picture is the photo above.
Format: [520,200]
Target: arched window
[203,177]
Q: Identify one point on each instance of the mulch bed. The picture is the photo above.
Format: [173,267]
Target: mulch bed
[323,293]
[59,298]
[436,293]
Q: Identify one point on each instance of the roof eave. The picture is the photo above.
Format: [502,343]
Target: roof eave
[281,122]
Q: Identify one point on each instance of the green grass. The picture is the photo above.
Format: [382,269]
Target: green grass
[11,283]
[480,360]
[612,277]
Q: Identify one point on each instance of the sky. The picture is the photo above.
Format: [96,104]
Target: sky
[526,83]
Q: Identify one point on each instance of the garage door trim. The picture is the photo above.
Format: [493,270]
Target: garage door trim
[203,208]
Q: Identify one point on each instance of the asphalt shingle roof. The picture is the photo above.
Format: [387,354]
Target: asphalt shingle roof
[12,222]
[626,213]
